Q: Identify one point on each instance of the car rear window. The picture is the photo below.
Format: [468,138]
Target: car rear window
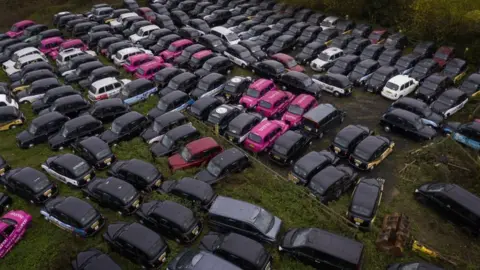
[80,168]
[255,138]
[265,104]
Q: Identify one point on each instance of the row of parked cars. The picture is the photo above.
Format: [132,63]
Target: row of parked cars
[163,113]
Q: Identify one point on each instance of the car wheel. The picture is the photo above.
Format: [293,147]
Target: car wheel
[243,66]
[336,94]
[420,199]
[387,128]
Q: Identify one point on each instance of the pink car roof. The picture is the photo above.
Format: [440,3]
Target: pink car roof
[71,42]
[264,128]
[17,215]
[24,22]
[181,42]
[282,57]
[51,40]
[273,96]
[150,65]
[302,100]
[137,57]
[260,84]
[202,54]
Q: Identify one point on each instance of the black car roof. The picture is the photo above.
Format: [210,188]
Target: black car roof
[411,102]
[351,131]
[370,144]
[391,52]
[311,160]
[299,75]
[273,63]
[46,81]
[39,72]
[238,48]
[427,62]
[141,168]
[212,77]
[75,208]
[194,48]
[210,37]
[47,118]
[285,37]
[453,93]
[128,118]
[216,59]
[69,99]
[232,208]
[173,96]
[315,45]
[94,144]
[456,62]
[349,58]
[288,139]
[227,157]
[29,176]
[104,69]
[339,77]
[140,237]
[374,47]
[436,78]
[109,102]
[474,77]
[248,43]
[114,186]
[91,65]
[462,196]
[9,110]
[366,193]
[181,131]
[61,90]
[320,112]
[183,77]
[337,246]
[243,247]
[385,69]
[138,83]
[193,186]
[410,57]
[242,119]
[169,117]
[174,212]
[69,161]
[204,102]
[327,177]
[80,121]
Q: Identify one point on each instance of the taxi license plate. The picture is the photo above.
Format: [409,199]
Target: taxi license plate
[2,171]
[87,178]
[108,161]
[158,183]
[230,138]
[337,150]
[251,146]
[48,193]
[163,257]
[136,203]
[293,178]
[358,221]
[195,231]
[276,157]
[358,162]
[308,128]
[227,95]
[95,225]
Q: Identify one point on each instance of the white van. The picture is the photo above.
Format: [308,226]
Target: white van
[19,54]
[106,88]
[122,17]
[23,61]
[227,36]
[399,86]
[143,32]
[326,59]
[121,56]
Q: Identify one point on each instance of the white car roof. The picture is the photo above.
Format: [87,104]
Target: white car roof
[129,50]
[149,27]
[69,52]
[105,81]
[3,98]
[26,51]
[30,57]
[221,30]
[400,79]
[332,51]
[331,18]
[129,14]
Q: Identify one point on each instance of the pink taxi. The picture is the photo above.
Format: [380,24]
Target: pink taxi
[175,49]
[299,106]
[148,70]
[13,226]
[255,91]
[133,62]
[264,134]
[50,45]
[69,44]
[18,28]
[274,103]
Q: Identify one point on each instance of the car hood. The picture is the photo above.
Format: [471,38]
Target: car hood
[273,49]
[259,55]
[176,160]
[197,93]
[209,241]
[108,136]
[56,139]
[71,77]
[180,60]
[355,76]
[21,94]
[206,177]
[15,85]
[38,105]
[4,58]
[201,72]
[155,112]
[273,233]
[375,84]
[15,76]
[63,69]
[166,54]
[436,118]
[302,57]
[24,136]
[319,63]
[336,70]
[428,132]
[44,111]
[149,134]
[249,101]
[245,35]
[159,150]
[84,83]
[290,117]
[439,108]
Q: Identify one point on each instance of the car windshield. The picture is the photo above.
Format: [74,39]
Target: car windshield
[214,169]
[32,128]
[436,187]
[295,109]
[214,118]
[265,104]
[230,87]
[14,28]
[280,149]
[341,141]
[140,32]
[65,132]
[263,220]
[162,105]
[129,195]
[324,57]
[157,127]
[404,63]
[140,71]
[375,36]
[80,169]
[103,153]
[172,48]
[378,77]
[429,85]
[40,184]
[255,48]
[253,93]
[300,171]
[300,238]
[469,85]
[203,85]
[116,128]
[291,63]
[278,43]
[167,141]
[173,84]
[317,187]
[231,36]
[452,70]
[361,70]
[264,38]
[392,86]
[244,54]
[185,154]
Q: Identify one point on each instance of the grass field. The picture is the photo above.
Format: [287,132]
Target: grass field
[47,247]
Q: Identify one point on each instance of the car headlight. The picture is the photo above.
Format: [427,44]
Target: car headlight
[280,248]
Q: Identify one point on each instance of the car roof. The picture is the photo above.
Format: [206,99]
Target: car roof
[201,145]
[474,77]
[351,131]
[194,186]
[70,99]
[273,96]
[169,117]
[138,83]
[400,79]
[315,45]
[456,62]
[328,176]
[181,131]
[282,56]
[275,64]
[332,51]
[427,62]
[338,246]
[235,209]
[242,119]
[42,82]
[264,127]
[128,118]
[462,196]
[453,93]
[61,89]
[436,78]
[129,50]
[212,77]
[174,212]
[261,83]
[366,193]
[30,57]
[371,144]
[227,157]
[385,69]
[94,144]
[80,121]
[109,102]
[288,139]
[26,50]
[173,96]
[105,81]
[221,30]
[8,110]
[204,102]
[47,118]
[202,54]
[28,176]
[411,102]
[183,77]
[114,186]
[319,112]
[181,42]
[217,59]
[243,247]
[75,208]
[140,237]
[302,100]
[140,167]
[367,63]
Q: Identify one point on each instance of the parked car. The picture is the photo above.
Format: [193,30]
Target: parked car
[234,89]
[18,28]
[399,86]
[310,52]
[443,55]
[94,151]
[206,259]
[210,85]
[163,43]
[363,71]
[345,64]
[331,182]
[239,55]
[357,46]
[199,58]
[92,258]
[239,127]
[212,42]
[336,84]
[153,37]
[106,88]
[362,30]
[10,118]
[125,127]
[82,72]
[267,38]
[184,57]
[173,101]
[98,74]
[280,44]
[419,108]
[140,174]
[378,36]
[366,199]
[379,79]
[339,252]
[348,138]
[29,184]
[69,169]
[175,49]
[137,90]
[471,85]
[407,123]
[370,152]
[74,129]
[288,61]
[14,225]
[194,154]
[163,124]
[449,102]
[221,116]
[169,143]
[40,128]
[425,49]
[218,64]
[163,77]
[108,109]
[184,82]
[254,32]
[316,18]
[274,103]
[321,119]
[372,52]
[432,87]
[254,49]
[297,108]
[70,106]
[263,135]
[224,164]
[269,69]
[396,41]
[389,57]
[288,147]
[423,69]
[137,243]
[238,249]
[202,107]
[192,190]
[455,69]
[326,59]
[73,215]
